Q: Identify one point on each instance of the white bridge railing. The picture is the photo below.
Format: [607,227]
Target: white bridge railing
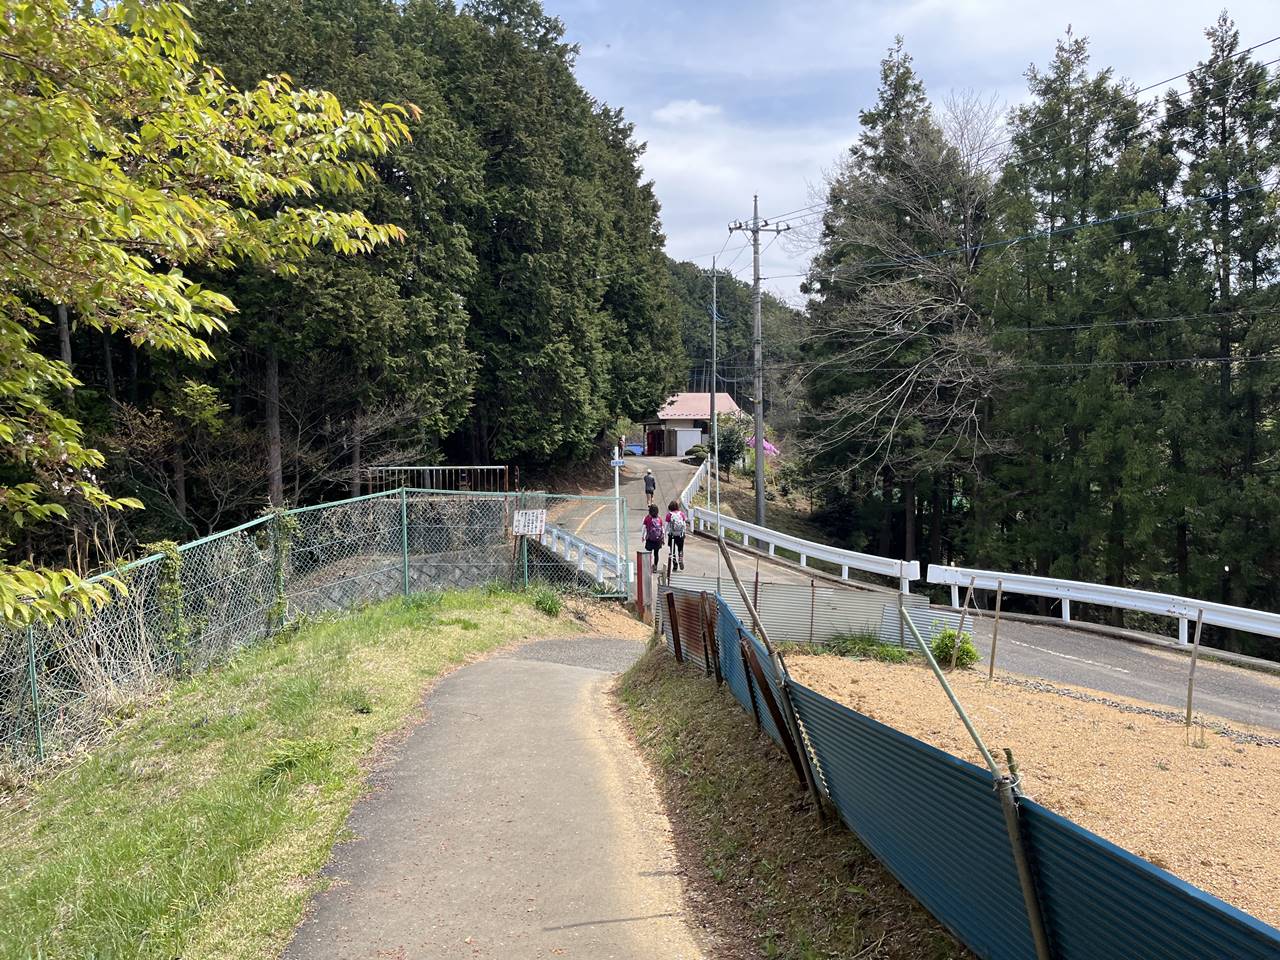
[904,571]
[1183,609]
[595,561]
[694,485]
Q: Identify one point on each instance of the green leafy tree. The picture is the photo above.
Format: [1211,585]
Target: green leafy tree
[124,160]
[1078,154]
[734,429]
[568,306]
[783,327]
[391,324]
[1222,416]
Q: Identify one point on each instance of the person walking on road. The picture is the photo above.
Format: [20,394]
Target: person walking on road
[653,533]
[676,525]
[650,486]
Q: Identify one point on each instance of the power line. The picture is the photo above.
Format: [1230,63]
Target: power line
[707,256]
[805,211]
[1037,235]
[1021,164]
[1124,96]
[1045,150]
[814,211]
[1273,357]
[742,364]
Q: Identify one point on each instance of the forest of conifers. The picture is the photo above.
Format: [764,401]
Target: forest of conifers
[1053,345]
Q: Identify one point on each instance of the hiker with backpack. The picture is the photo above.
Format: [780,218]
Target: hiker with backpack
[676,525]
[653,533]
[650,486]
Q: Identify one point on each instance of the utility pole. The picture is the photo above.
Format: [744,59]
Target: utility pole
[715,387]
[714,482]
[755,227]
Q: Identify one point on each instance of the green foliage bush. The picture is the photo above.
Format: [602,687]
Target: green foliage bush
[697,453]
[548,601]
[944,643]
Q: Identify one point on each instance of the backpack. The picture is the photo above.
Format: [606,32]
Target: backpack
[652,530]
[677,524]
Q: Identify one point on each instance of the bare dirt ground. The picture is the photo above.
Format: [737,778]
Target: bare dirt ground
[605,618]
[1202,806]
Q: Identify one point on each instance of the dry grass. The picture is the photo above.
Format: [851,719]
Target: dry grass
[1200,806]
[790,516]
[765,875]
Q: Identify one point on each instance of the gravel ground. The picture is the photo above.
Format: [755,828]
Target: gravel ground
[1231,733]
[1200,806]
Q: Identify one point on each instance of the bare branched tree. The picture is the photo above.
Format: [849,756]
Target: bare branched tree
[897,331]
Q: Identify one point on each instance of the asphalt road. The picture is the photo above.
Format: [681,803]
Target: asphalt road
[516,822]
[594,522]
[1148,673]
[1057,654]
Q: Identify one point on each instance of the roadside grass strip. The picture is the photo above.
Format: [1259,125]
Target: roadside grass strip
[198,827]
[772,881]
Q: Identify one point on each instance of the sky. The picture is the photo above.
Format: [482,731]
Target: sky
[735,99]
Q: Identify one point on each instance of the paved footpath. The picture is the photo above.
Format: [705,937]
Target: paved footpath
[517,821]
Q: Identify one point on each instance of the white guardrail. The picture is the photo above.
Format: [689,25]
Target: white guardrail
[762,537]
[606,565]
[904,571]
[695,484]
[1183,609]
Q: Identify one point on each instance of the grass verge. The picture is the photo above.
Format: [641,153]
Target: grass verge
[780,885]
[859,646]
[198,828]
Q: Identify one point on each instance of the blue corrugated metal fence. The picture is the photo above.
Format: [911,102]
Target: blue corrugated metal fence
[936,823]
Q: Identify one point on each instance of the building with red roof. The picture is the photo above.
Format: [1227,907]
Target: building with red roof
[685,421]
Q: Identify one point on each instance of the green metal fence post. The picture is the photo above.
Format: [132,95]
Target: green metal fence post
[35,689]
[404,538]
[275,613]
[524,559]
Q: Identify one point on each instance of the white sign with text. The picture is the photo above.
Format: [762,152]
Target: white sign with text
[529,523]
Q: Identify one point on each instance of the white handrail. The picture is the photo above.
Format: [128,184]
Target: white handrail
[576,550]
[695,484]
[904,571]
[1183,609]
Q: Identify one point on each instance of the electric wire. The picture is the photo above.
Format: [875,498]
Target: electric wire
[1036,235]
[1129,95]
[814,212]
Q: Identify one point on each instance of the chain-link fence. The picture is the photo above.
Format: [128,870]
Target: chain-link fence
[193,605]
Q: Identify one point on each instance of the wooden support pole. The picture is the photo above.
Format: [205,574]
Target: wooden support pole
[711,639]
[751,687]
[1191,675]
[995,630]
[955,647]
[674,620]
[780,671]
[775,712]
[813,603]
[642,578]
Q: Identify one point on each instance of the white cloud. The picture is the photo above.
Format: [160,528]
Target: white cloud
[681,112]
[767,101]
[707,173]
